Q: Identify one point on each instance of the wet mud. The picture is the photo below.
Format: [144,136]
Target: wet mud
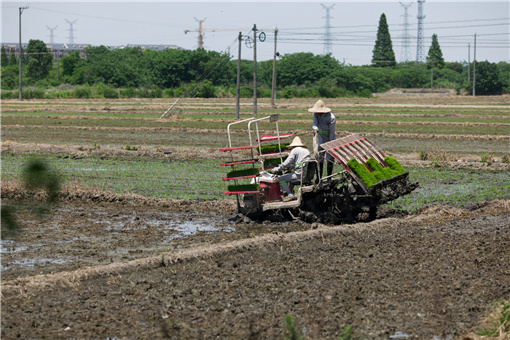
[117,267]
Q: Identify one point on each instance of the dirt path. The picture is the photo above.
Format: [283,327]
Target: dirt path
[431,274]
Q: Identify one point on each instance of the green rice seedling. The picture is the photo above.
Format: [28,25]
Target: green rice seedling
[376,167]
[291,333]
[345,334]
[243,187]
[269,161]
[273,148]
[362,172]
[163,264]
[394,165]
[379,176]
[500,324]
[243,172]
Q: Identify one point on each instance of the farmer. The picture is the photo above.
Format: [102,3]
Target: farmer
[294,162]
[324,130]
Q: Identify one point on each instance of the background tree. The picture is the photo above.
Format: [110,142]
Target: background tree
[39,59]
[487,79]
[69,63]
[10,71]
[383,55]
[504,75]
[12,60]
[435,53]
[4,58]
[304,68]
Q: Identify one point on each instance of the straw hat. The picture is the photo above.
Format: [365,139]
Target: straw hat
[296,142]
[319,107]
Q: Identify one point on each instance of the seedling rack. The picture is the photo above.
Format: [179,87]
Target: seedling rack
[357,147]
[254,142]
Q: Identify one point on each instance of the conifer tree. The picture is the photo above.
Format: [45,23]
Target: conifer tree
[383,55]
[435,53]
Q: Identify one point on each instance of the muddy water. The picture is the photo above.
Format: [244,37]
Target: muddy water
[74,236]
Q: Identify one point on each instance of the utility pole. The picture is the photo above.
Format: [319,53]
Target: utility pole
[58,65]
[469,61]
[20,56]
[240,39]
[474,68]
[273,87]
[254,70]
[431,73]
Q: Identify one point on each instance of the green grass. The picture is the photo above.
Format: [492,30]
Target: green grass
[202,180]
[151,178]
[458,188]
[500,322]
[291,331]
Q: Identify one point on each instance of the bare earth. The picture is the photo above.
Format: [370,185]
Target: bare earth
[97,271]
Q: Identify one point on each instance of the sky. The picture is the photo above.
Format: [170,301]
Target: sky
[301,26]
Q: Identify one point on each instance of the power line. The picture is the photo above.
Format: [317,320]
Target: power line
[343,33]
[433,22]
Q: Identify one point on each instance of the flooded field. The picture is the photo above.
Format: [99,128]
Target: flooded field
[77,235]
[142,243]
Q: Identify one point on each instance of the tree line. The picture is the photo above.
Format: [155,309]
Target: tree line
[131,72]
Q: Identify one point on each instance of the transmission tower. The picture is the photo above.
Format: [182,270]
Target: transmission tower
[51,33]
[71,30]
[327,34]
[405,53]
[419,45]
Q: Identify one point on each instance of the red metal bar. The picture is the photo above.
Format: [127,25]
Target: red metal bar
[238,162]
[265,138]
[241,177]
[377,152]
[241,192]
[274,153]
[237,148]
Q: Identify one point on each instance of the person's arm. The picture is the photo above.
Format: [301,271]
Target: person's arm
[332,134]
[289,161]
[315,124]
